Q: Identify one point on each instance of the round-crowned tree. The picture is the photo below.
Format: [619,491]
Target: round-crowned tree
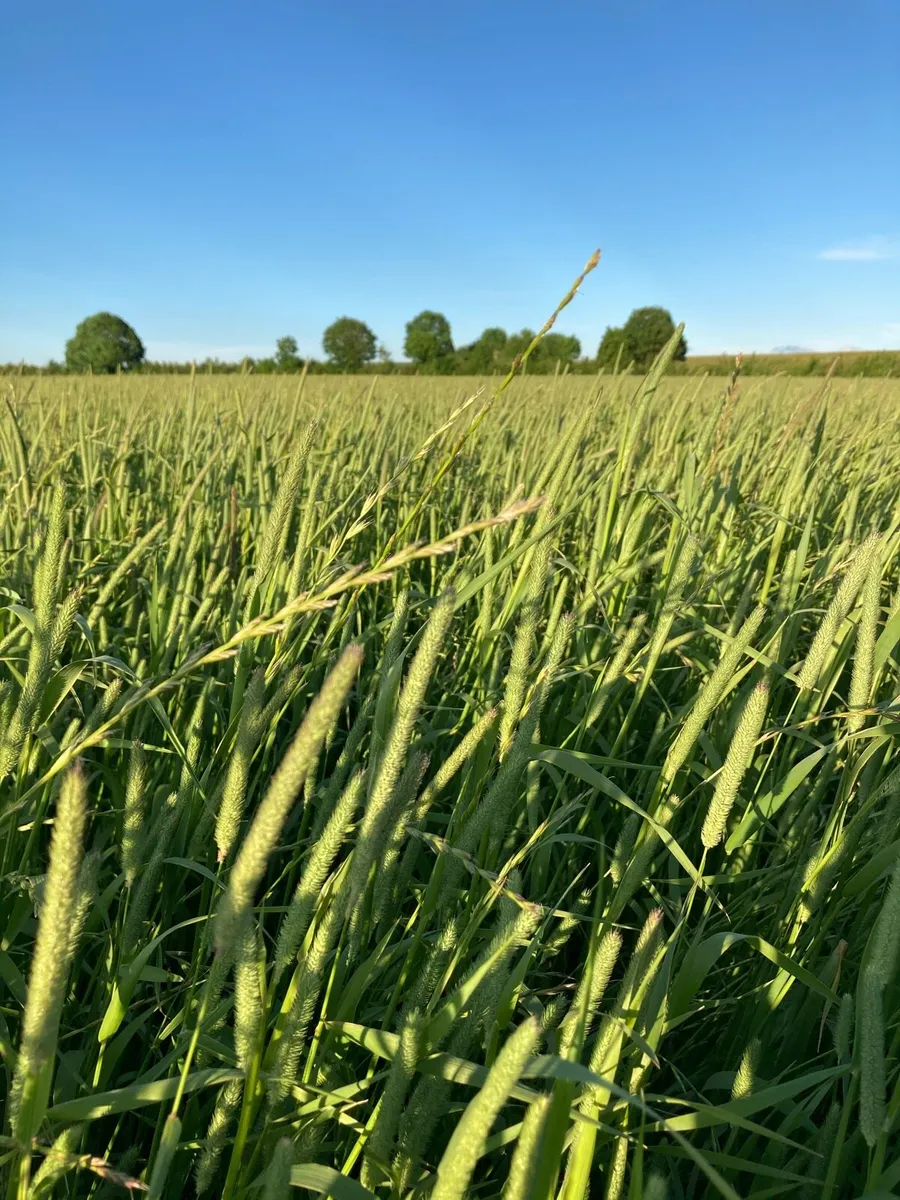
[104,343]
[486,354]
[428,341]
[558,348]
[646,332]
[286,356]
[612,349]
[349,343]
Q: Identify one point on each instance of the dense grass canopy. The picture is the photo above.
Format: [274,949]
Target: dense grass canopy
[404,794]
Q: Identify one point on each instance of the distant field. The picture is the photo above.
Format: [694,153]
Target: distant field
[874,363]
[401,796]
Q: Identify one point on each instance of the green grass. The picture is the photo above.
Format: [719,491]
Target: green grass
[404,794]
[849,363]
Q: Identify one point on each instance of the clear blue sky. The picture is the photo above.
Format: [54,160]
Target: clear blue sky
[223,173]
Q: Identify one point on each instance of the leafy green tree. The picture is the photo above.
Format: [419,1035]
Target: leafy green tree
[491,345]
[612,346]
[428,341]
[553,348]
[518,343]
[646,332]
[349,343]
[558,347]
[286,356]
[497,350]
[103,343]
[483,356]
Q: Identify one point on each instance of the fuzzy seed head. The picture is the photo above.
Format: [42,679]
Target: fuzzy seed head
[737,760]
[262,837]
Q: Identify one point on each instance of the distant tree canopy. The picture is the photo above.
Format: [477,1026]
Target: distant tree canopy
[428,341]
[349,343]
[496,350]
[641,338]
[557,348]
[612,349]
[646,332]
[286,357]
[104,343]
[484,356]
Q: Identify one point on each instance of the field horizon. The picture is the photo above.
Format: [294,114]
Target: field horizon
[837,363]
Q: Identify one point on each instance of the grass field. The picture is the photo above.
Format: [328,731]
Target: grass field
[849,363]
[401,795]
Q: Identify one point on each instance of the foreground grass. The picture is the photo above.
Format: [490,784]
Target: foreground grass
[386,810]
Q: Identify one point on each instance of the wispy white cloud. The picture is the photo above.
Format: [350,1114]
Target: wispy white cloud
[871,250]
[852,254]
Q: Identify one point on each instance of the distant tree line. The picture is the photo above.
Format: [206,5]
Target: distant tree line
[351,346]
[105,343]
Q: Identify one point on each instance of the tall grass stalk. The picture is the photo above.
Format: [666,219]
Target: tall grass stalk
[54,947]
